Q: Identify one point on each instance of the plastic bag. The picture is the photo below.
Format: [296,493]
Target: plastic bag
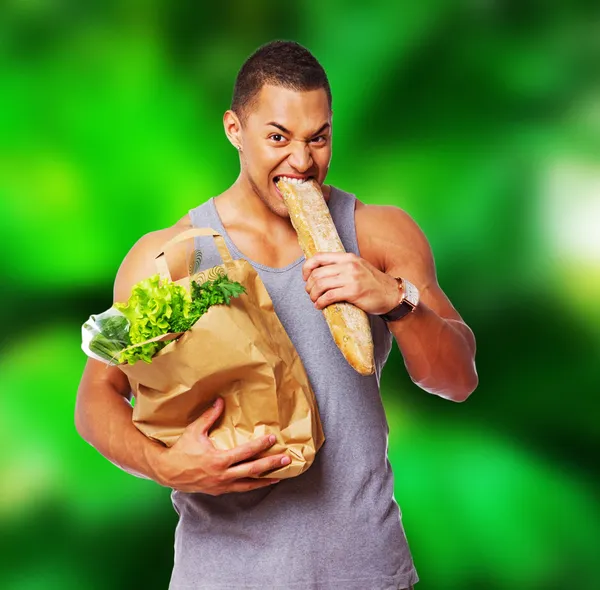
[105,335]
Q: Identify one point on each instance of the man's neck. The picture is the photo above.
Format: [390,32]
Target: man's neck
[239,204]
[242,203]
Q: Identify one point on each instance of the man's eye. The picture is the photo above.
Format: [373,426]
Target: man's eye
[277,137]
[319,139]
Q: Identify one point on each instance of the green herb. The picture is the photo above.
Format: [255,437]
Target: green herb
[217,292]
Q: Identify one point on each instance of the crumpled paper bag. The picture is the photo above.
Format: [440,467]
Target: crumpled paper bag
[240,352]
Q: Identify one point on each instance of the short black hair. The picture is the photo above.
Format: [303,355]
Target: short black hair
[280,63]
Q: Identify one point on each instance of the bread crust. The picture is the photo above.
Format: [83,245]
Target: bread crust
[316,232]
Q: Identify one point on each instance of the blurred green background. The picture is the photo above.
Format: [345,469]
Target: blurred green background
[481,118]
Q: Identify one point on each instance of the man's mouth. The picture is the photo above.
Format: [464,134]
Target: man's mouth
[292,179]
[298,180]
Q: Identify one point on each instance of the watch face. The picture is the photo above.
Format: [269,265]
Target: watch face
[411,293]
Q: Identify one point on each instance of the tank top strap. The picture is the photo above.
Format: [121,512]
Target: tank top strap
[341,206]
[207,255]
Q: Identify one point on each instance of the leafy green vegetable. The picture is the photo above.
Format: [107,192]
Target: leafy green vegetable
[112,335]
[158,307]
[149,310]
[217,292]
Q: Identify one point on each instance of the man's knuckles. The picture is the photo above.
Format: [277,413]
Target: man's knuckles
[255,470]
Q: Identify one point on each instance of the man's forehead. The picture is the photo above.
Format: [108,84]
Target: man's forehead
[291,108]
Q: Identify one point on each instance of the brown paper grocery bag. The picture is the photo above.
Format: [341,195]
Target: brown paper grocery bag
[240,352]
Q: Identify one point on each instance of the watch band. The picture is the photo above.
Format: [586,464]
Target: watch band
[408,301]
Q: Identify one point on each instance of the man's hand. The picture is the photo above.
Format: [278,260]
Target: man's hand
[193,464]
[340,276]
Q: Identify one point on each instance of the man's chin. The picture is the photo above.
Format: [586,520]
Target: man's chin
[280,209]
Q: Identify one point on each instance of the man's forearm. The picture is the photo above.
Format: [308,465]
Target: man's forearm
[115,436]
[439,353]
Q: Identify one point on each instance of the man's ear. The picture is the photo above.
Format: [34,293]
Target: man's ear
[233,129]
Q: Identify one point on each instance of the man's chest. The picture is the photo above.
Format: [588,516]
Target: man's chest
[264,250]
[280,253]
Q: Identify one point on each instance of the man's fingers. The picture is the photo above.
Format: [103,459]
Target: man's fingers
[325,284]
[245,485]
[333,296]
[249,449]
[321,273]
[258,467]
[324,259]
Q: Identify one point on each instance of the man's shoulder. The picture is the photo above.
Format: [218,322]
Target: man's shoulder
[372,216]
[381,229]
[368,214]
[140,261]
[153,240]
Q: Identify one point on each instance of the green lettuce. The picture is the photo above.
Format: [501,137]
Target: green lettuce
[157,306]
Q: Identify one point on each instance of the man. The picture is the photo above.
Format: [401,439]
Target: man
[337,525]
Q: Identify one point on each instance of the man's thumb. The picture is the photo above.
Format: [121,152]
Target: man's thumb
[210,416]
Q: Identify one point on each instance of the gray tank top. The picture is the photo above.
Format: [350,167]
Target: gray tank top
[335,526]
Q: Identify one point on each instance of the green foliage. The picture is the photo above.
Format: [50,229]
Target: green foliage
[112,337]
[217,292]
[158,307]
[149,310]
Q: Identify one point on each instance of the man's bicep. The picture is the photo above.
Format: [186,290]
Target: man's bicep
[409,255]
[405,252]
[98,373]
[138,264]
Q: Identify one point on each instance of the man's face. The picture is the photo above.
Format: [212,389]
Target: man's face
[287,132]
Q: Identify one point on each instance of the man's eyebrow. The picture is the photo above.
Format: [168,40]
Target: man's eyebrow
[282,128]
[323,127]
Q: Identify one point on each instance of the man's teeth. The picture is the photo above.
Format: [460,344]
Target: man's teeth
[293,180]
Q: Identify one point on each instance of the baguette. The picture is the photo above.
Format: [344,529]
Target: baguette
[316,231]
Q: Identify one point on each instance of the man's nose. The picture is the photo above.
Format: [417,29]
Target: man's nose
[300,157]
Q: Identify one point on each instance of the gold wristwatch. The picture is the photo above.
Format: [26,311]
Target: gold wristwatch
[409,299]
